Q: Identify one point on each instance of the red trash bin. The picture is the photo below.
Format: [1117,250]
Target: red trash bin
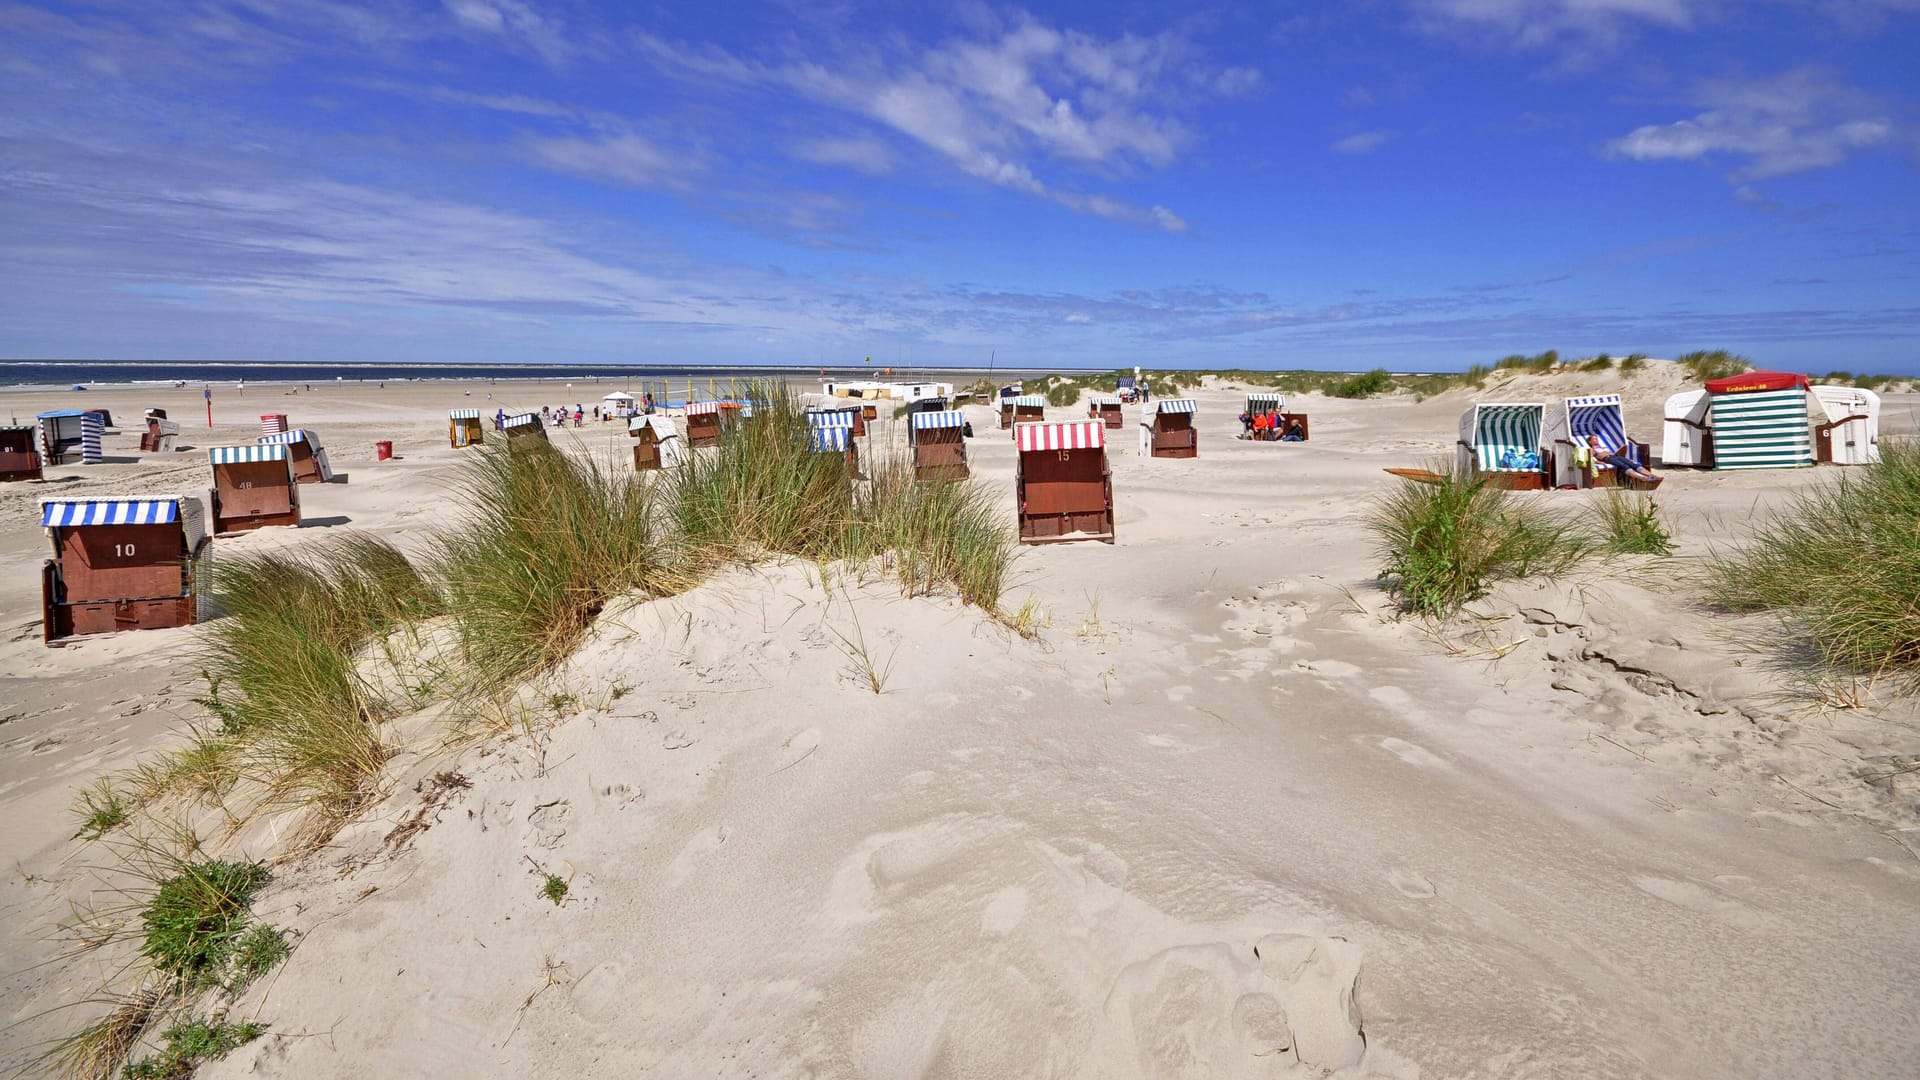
[382,450]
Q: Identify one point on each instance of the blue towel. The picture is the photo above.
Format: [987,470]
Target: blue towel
[1513,458]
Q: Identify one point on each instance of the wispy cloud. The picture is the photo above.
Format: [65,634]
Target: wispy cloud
[625,158]
[1365,142]
[992,102]
[1801,120]
[1570,25]
[517,23]
[869,156]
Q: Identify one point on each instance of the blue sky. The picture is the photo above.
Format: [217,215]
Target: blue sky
[1418,185]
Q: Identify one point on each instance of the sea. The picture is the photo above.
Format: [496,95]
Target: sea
[38,373]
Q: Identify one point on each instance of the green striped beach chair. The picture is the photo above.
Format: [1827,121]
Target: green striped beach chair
[1502,440]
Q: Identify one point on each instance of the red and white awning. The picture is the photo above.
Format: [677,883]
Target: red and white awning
[701,408]
[1060,435]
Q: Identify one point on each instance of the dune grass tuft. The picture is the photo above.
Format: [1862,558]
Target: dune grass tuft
[98,1050]
[1442,545]
[760,492]
[932,536]
[1840,563]
[195,919]
[101,808]
[187,1043]
[1631,524]
[1365,385]
[545,540]
[1706,364]
[295,715]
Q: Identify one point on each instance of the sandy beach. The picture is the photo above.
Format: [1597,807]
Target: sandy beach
[1223,816]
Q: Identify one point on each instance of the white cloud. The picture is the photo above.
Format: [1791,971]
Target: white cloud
[627,158]
[991,102]
[1079,318]
[516,21]
[1575,24]
[1366,142]
[863,155]
[1801,120]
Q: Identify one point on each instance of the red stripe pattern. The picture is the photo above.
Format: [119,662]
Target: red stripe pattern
[1061,435]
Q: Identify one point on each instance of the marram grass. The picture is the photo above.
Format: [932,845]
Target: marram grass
[1443,545]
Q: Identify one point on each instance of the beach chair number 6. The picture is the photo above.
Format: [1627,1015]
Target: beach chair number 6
[123,551]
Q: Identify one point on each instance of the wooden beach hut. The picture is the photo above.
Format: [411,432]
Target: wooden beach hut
[1029,409]
[1501,440]
[656,443]
[523,427]
[1687,432]
[1567,427]
[273,423]
[1106,409]
[123,564]
[830,431]
[1166,429]
[162,435]
[1846,425]
[857,416]
[704,423]
[1760,421]
[939,444]
[20,454]
[1006,412]
[464,428]
[253,487]
[304,450]
[71,435]
[1063,489]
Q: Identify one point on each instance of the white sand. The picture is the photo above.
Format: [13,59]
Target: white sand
[1590,837]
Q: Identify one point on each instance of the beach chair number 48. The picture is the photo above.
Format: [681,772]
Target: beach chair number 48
[245,484]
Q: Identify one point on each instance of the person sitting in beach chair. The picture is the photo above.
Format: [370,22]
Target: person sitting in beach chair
[1621,459]
[1294,433]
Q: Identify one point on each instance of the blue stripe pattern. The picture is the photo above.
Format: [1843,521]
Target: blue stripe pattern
[235,455]
[55,513]
[1175,405]
[829,439]
[951,418]
[288,437]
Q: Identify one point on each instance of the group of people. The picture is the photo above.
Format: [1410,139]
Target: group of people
[1272,427]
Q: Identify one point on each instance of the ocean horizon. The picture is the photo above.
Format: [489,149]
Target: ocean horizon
[45,373]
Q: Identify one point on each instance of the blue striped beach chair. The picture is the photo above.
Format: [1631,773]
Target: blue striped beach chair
[123,564]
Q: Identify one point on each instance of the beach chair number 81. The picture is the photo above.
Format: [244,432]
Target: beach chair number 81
[123,551]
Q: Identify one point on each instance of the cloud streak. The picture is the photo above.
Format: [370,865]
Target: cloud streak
[1801,120]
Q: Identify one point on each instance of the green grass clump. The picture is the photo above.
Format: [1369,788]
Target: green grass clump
[1602,362]
[1539,363]
[1064,392]
[101,808]
[761,491]
[196,917]
[1444,544]
[190,1042]
[554,888]
[1631,524]
[1633,362]
[1840,565]
[1365,385]
[545,540]
[1715,364]
[932,536]
[281,667]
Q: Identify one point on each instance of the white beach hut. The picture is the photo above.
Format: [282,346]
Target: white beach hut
[618,404]
[1846,425]
[1687,434]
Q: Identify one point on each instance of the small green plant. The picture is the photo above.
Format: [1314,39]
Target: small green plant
[254,953]
[1714,364]
[1602,362]
[190,1042]
[101,808]
[1365,385]
[1633,362]
[195,918]
[1840,565]
[1631,524]
[1443,544]
[554,888]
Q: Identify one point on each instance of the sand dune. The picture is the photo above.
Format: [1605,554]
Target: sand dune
[1222,817]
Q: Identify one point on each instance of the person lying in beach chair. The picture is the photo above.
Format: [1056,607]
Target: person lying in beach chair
[1621,459]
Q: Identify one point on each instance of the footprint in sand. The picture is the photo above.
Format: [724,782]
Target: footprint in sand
[1686,894]
[1207,1010]
[1412,884]
[1417,756]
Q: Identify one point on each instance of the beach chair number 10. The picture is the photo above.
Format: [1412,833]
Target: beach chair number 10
[123,551]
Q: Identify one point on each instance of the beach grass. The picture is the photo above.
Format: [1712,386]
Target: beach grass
[543,540]
[1630,523]
[1840,565]
[1705,364]
[1442,545]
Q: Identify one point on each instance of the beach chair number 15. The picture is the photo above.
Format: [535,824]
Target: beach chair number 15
[1064,454]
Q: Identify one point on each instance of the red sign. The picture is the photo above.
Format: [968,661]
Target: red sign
[1753,381]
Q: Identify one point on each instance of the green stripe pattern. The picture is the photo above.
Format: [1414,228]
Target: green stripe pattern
[1766,429]
[1500,428]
